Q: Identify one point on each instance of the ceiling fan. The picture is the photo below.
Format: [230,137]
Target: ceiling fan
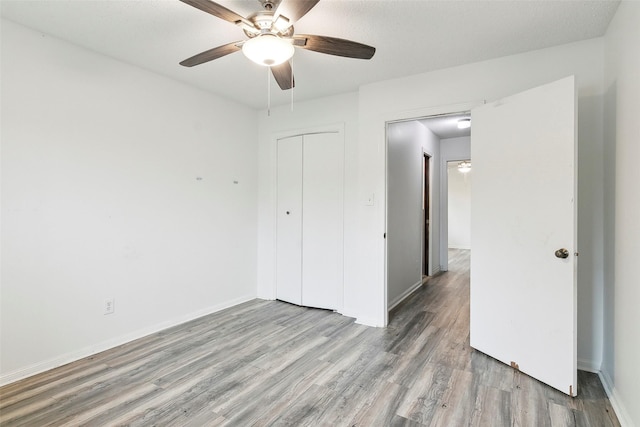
[271,37]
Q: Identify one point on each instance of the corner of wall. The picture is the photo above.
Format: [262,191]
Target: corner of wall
[616,402]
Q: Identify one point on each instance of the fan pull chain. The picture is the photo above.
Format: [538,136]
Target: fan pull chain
[268,92]
[292,85]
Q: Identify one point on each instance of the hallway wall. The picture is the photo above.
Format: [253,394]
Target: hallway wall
[620,368]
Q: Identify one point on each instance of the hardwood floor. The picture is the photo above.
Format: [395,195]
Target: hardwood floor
[271,363]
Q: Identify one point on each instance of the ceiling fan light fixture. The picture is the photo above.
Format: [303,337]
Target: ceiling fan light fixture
[268,50]
[464,166]
[464,123]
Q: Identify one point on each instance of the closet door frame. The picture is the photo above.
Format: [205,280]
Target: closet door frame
[337,128]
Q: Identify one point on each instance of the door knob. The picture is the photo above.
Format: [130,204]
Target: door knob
[562,253]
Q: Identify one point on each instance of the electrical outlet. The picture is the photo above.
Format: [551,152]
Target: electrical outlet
[109,306]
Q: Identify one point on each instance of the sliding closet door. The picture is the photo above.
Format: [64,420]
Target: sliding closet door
[322,223]
[289,220]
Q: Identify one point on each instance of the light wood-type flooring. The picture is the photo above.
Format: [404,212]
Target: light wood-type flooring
[268,363]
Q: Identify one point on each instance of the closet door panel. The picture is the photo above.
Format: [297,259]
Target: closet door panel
[289,220]
[322,223]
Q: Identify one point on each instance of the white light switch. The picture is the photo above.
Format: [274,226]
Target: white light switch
[109,306]
[369,201]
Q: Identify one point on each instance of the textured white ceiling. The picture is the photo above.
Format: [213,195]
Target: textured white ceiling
[446,126]
[410,36]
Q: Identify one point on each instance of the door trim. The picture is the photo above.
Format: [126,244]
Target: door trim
[426,208]
[444,210]
[403,116]
[273,147]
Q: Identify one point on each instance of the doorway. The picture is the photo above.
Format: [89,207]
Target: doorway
[426,209]
[459,175]
[516,330]
[416,150]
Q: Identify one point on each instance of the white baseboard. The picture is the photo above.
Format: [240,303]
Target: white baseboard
[73,356]
[589,366]
[614,398]
[368,321]
[362,320]
[404,295]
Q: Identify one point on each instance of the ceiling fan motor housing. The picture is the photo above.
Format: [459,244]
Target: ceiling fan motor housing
[264,24]
[270,4]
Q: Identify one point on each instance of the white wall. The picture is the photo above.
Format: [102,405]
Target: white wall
[459,207]
[404,210]
[116,182]
[621,371]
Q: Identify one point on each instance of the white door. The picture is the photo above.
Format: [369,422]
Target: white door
[523,203]
[289,220]
[322,225]
[309,220]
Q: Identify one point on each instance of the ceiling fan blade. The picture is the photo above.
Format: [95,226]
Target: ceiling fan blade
[217,10]
[294,9]
[283,75]
[211,54]
[334,46]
